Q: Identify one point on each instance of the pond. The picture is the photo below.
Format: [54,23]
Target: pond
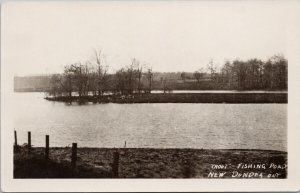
[169,125]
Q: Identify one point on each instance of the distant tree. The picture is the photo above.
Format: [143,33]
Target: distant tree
[164,84]
[56,88]
[253,73]
[139,76]
[226,73]
[92,78]
[68,81]
[240,70]
[275,73]
[280,66]
[198,74]
[101,71]
[130,76]
[79,75]
[150,78]
[183,76]
[212,69]
[121,80]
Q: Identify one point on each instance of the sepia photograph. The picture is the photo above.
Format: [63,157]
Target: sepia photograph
[135,90]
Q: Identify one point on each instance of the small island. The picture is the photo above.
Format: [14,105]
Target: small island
[178,98]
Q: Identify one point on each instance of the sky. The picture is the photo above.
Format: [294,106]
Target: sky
[170,36]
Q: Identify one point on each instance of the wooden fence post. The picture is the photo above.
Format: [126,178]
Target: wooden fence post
[47,148]
[29,142]
[16,140]
[115,166]
[74,155]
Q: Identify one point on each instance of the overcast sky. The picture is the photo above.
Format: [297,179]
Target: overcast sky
[40,38]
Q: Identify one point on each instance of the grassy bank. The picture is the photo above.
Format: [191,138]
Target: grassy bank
[151,163]
[181,98]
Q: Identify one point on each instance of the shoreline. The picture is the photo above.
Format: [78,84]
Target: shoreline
[151,163]
[234,98]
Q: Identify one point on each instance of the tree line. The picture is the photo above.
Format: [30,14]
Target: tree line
[92,77]
[253,74]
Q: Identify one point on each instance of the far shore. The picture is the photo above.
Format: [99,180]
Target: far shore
[151,163]
[179,98]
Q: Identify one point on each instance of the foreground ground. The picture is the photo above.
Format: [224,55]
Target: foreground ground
[151,163]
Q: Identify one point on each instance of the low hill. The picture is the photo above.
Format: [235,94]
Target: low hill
[39,83]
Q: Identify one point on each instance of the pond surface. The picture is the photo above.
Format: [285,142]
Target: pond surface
[208,126]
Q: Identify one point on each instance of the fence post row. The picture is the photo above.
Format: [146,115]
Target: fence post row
[29,142]
[115,166]
[47,148]
[74,155]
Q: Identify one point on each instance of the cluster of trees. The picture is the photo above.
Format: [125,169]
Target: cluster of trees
[251,74]
[92,77]
[81,78]
[132,79]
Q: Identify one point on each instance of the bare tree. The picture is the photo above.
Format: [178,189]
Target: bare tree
[121,80]
[101,71]
[183,76]
[198,74]
[79,74]
[150,78]
[130,77]
[139,76]
[92,78]
[67,81]
[212,69]
[164,83]
[56,88]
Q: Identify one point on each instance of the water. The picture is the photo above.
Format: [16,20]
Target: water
[255,126]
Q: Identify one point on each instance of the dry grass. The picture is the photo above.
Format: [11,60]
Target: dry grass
[144,163]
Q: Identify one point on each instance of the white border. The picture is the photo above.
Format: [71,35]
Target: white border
[164,185]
